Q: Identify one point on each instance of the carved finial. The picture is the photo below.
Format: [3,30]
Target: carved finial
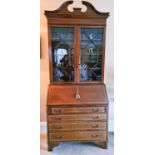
[77,4]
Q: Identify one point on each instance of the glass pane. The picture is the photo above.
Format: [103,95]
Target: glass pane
[63,54]
[91,54]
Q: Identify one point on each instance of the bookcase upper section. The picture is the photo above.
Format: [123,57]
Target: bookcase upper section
[76,42]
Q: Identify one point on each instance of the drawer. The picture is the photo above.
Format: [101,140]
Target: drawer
[81,135]
[77,126]
[79,117]
[65,110]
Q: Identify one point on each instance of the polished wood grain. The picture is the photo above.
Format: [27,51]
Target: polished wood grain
[77,126]
[76,117]
[74,110]
[81,135]
[65,94]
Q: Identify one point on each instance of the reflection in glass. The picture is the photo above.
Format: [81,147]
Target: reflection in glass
[63,53]
[91,54]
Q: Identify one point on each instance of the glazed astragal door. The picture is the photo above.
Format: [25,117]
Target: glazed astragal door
[77,60]
[91,47]
[62,54]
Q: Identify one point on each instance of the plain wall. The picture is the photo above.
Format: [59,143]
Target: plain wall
[101,5]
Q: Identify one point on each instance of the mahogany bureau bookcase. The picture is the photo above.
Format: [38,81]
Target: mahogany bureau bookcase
[77,104]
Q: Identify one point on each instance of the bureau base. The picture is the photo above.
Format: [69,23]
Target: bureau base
[101,144]
[71,120]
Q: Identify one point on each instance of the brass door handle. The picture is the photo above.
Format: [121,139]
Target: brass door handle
[79,66]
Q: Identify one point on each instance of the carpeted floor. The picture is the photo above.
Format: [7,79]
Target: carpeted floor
[76,148]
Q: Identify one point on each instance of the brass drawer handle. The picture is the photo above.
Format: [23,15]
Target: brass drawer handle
[58,127]
[94,136]
[57,110]
[58,137]
[95,110]
[95,126]
[58,118]
[95,117]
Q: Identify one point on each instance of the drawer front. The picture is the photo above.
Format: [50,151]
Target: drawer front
[77,126]
[81,117]
[77,110]
[81,135]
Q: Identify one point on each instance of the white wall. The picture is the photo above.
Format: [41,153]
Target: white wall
[101,5]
